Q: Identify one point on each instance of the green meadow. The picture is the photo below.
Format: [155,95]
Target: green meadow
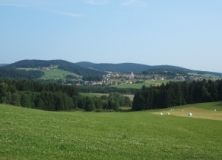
[35,134]
[206,75]
[57,74]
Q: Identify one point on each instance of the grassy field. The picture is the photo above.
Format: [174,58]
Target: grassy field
[57,74]
[206,75]
[34,134]
[211,111]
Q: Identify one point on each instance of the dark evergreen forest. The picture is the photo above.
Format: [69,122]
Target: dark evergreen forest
[56,97]
[105,89]
[6,73]
[177,93]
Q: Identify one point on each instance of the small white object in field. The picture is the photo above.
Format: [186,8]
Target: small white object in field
[190,114]
[215,110]
[168,113]
[182,110]
[161,113]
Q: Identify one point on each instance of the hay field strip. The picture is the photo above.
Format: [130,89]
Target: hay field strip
[212,111]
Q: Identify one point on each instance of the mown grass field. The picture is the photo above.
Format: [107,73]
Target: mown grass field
[211,111]
[34,134]
[57,74]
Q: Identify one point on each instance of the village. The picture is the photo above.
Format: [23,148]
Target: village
[131,78]
[134,78]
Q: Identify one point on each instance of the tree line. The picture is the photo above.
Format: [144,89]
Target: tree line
[20,74]
[92,78]
[177,93]
[164,72]
[56,97]
[105,89]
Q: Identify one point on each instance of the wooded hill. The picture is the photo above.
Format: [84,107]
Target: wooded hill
[10,71]
[140,68]
[128,67]
[2,65]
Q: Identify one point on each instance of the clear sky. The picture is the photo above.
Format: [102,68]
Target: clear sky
[185,33]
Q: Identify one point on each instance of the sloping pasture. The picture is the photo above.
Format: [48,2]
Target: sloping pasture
[211,111]
[35,134]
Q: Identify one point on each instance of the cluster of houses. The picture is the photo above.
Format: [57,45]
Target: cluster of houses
[129,78]
[48,68]
[117,75]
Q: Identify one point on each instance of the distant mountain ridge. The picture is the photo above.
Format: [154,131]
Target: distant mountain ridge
[89,68]
[134,67]
[3,65]
[128,67]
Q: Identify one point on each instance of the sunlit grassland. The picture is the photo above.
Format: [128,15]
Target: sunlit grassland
[210,75]
[205,75]
[57,74]
[211,111]
[34,134]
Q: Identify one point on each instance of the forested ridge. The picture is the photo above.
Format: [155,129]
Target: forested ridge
[61,64]
[177,93]
[88,70]
[7,73]
[130,67]
[56,97]
[142,68]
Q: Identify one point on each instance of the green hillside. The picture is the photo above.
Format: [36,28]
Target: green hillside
[57,74]
[34,134]
[33,65]
[54,74]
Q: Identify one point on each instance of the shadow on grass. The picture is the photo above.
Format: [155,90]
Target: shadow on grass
[126,110]
[219,104]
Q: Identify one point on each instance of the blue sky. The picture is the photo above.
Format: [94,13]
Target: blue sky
[185,33]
